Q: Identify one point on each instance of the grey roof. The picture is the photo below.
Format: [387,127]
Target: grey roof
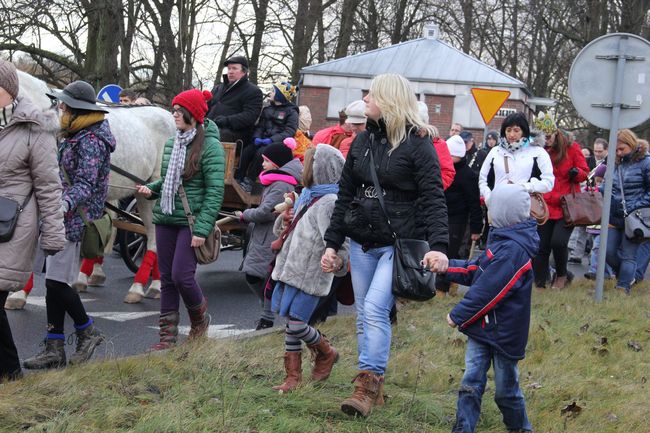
[424,59]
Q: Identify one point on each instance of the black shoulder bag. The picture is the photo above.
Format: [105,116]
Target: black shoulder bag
[410,279]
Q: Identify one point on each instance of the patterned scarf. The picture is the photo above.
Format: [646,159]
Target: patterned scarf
[175,170]
[513,147]
[6,113]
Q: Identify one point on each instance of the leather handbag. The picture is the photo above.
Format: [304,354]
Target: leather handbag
[10,210]
[582,208]
[209,251]
[637,223]
[410,279]
[538,206]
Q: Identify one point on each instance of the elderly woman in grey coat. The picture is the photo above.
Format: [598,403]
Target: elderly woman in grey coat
[28,175]
[301,279]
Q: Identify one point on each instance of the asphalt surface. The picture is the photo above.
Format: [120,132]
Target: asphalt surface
[132,328]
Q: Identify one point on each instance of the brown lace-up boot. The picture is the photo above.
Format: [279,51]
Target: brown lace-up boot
[324,358]
[367,393]
[168,323]
[293,367]
[199,320]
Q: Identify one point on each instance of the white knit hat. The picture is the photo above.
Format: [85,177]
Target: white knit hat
[456,146]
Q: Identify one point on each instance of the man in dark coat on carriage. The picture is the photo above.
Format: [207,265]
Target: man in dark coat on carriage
[236,103]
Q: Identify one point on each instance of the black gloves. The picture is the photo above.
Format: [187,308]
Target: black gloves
[573,172]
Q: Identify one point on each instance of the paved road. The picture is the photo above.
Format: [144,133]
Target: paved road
[132,328]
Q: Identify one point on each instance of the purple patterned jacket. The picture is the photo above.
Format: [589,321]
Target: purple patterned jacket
[86,158]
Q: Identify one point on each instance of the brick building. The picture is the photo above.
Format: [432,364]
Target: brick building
[441,75]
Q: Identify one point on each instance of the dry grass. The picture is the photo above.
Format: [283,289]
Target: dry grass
[226,386]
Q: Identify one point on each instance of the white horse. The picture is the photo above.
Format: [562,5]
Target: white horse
[140,133]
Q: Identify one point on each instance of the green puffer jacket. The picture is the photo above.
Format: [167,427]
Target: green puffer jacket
[204,190]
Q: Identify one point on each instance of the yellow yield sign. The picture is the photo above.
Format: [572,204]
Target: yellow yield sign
[489,101]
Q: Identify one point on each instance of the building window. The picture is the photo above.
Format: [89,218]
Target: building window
[505,112]
[339,98]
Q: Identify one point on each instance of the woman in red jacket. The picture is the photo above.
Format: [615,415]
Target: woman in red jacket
[569,168]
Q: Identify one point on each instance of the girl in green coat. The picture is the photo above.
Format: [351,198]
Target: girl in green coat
[195,159]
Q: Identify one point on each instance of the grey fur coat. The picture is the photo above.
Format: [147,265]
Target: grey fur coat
[298,263]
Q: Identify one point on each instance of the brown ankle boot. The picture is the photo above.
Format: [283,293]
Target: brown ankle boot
[324,358]
[199,320]
[367,393]
[293,367]
[168,323]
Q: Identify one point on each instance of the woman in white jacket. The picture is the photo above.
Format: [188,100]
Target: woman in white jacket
[518,158]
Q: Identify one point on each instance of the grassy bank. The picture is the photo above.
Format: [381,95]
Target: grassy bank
[578,352]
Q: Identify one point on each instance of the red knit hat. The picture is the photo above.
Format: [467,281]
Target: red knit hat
[194,101]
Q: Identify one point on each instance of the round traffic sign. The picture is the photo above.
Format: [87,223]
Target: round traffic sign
[593,74]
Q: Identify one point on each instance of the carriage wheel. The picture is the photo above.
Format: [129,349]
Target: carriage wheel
[132,245]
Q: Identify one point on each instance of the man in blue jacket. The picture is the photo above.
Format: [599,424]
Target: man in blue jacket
[495,312]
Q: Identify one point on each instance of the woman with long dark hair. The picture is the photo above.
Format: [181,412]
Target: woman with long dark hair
[569,168]
[193,158]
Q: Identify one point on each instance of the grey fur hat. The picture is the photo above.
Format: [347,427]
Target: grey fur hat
[328,164]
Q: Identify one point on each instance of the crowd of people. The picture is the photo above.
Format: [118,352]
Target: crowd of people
[454,194]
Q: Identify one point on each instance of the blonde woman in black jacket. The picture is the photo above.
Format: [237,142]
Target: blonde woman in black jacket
[409,173]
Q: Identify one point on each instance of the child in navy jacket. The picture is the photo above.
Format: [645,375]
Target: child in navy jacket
[495,312]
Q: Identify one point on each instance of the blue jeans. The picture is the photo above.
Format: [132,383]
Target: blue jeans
[621,256]
[372,277]
[508,395]
[593,260]
[642,260]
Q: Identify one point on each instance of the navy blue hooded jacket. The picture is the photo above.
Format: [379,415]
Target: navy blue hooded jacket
[496,309]
[635,171]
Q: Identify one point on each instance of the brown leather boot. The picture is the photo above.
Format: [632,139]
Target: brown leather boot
[293,367]
[324,358]
[168,323]
[199,320]
[367,393]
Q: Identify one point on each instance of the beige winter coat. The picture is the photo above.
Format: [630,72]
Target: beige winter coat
[28,161]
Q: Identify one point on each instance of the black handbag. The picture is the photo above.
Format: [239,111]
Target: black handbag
[9,212]
[637,222]
[410,279]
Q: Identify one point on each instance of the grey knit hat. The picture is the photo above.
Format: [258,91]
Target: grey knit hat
[9,78]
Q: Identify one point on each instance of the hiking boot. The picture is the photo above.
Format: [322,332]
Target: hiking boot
[199,320]
[87,340]
[325,356]
[168,323]
[263,324]
[293,367]
[246,184]
[52,356]
[590,275]
[368,392]
[17,374]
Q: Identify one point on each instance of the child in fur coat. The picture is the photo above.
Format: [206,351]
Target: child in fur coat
[301,280]
[282,172]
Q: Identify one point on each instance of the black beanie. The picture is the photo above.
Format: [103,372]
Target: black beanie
[279,154]
[516,119]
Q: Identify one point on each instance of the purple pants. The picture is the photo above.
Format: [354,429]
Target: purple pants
[177,264]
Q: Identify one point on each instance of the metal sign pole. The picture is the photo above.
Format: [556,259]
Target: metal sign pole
[609,175]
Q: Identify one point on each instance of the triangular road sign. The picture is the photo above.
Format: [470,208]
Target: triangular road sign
[489,101]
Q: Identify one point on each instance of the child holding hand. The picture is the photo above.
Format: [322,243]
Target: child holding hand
[302,278]
[495,312]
